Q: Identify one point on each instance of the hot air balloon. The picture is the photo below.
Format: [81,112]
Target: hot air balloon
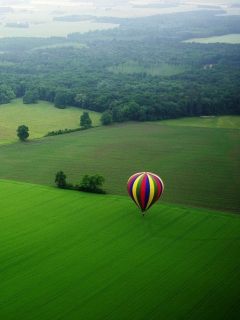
[145,188]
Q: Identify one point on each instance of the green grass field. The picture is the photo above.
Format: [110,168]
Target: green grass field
[231,122]
[40,118]
[229,38]
[72,255]
[199,166]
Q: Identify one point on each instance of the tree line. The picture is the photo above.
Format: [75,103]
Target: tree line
[92,184]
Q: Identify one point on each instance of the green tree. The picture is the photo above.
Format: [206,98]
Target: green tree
[30,96]
[61,100]
[85,120]
[106,117]
[80,99]
[6,94]
[92,183]
[131,111]
[22,132]
[60,180]
[118,114]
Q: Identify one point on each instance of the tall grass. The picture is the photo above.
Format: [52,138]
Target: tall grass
[71,255]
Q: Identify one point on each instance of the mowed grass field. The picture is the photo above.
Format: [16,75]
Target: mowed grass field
[72,255]
[199,165]
[229,38]
[40,118]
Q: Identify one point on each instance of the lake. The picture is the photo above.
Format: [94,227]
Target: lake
[39,15]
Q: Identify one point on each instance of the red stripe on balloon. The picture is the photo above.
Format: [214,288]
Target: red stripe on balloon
[143,191]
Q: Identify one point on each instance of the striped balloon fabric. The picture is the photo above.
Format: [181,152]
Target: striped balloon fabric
[145,188]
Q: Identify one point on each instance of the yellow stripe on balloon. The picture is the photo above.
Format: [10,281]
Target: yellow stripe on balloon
[151,191]
[134,190]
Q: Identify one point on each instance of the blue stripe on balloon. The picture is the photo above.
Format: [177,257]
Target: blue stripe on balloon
[147,192]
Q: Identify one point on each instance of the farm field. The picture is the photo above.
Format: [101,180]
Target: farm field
[40,118]
[199,166]
[72,255]
[229,38]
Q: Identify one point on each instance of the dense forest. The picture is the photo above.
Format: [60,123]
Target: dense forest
[141,70]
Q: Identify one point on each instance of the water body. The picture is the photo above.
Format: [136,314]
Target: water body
[39,15]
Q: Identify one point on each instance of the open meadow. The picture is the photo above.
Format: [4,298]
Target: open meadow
[229,38]
[40,118]
[229,122]
[199,165]
[72,255]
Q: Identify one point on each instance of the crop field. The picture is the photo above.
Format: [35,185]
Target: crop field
[229,38]
[199,166]
[40,118]
[72,255]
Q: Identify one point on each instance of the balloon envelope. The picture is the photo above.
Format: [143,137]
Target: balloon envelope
[145,188]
